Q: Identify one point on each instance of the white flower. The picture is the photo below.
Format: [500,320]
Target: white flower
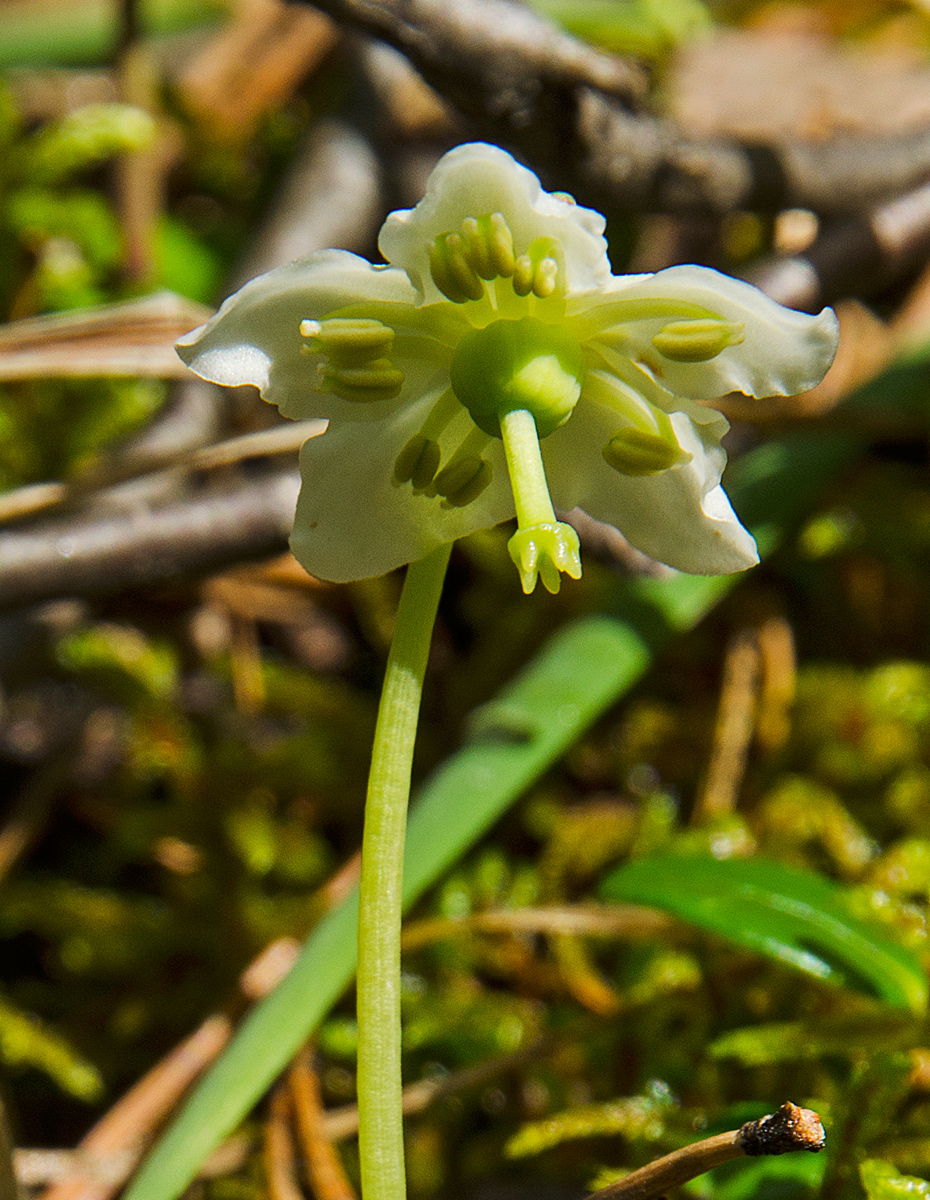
[497,362]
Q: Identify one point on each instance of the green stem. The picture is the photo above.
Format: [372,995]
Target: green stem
[381,1140]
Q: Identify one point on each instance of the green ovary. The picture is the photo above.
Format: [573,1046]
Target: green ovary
[520,381]
[525,364]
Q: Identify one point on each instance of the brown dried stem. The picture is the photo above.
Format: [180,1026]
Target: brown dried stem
[340,1123]
[790,1128]
[278,1154]
[324,1166]
[733,731]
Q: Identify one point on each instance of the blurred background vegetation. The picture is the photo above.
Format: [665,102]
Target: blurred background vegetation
[183,759]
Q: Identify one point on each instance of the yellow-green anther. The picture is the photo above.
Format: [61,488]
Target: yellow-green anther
[418,462]
[697,341]
[349,341]
[477,249]
[379,379]
[523,273]
[545,278]
[488,246]
[452,273]
[538,270]
[463,480]
[500,244]
[638,452]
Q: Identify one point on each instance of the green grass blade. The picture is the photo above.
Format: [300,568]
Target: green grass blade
[794,916]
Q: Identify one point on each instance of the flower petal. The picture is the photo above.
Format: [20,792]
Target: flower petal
[783,352]
[255,336]
[354,522]
[681,516]
[476,179]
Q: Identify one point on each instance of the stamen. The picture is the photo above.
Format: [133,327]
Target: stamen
[540,270]
[355,353]
[545,278]
[452,273]
[648,443]
[638,452]
[348,341]
[463,480]
[485,251]
[600,320]
[523,275]
[500,244]
[698,341]
[377,380]
[418,462]
[627,401]
[542,546]
[467,473]
[489,245]
[440,415]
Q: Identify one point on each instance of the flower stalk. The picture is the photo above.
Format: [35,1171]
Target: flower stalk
[381,1143]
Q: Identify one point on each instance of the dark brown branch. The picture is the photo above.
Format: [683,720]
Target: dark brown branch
[566,108]
[507,46]
[791,1128]
[87,554]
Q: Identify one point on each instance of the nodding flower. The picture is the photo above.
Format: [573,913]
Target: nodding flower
[495,367]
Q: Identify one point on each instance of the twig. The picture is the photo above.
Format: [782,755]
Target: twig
[246,666]
[103,557]
[286,438]
[778,684]
[554,100]
[248,518]
[329,197]
[790,1128]
[278,1149]
[505,49]
[140,174]
[132,338]
[341,1123]
[733,730]
[108,1153]
[582,980]
[621,920]
[39,1168]
[324,1166]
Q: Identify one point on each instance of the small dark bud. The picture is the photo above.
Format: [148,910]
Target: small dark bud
[791,1128]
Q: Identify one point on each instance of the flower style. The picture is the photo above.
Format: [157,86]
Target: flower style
[497,367]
